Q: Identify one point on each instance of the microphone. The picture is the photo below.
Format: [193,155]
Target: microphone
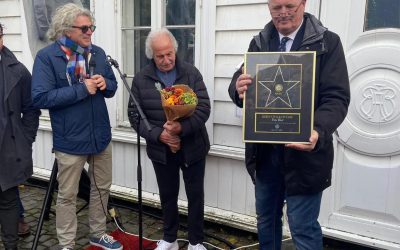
[92,66]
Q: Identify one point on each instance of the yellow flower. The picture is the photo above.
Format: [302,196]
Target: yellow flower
[170,101]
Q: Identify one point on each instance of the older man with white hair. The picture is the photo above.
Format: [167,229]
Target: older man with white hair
[173,145]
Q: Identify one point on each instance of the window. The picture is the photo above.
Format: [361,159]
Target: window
[86,4]
[140,16]
[382,14]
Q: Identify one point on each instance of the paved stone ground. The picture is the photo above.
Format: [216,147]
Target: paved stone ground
[32,198]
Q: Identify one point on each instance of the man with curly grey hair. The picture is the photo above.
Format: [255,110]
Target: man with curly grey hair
[72,79]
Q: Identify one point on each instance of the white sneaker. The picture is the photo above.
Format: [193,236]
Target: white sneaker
[196,247]
[165,245]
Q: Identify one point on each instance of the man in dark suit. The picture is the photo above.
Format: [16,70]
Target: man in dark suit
[297,173]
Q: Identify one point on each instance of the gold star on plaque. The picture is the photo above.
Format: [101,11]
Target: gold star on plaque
[278,89]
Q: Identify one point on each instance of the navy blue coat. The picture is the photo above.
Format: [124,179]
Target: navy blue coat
[79,120]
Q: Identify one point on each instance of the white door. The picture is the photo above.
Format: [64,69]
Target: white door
[363,204]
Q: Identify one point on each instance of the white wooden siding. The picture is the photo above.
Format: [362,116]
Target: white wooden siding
[233,42]
[221,87]
[9,8]
[236,24]
[228,135]
[12,24]
[10,17]
[13,42]
[225,113]
[241,17]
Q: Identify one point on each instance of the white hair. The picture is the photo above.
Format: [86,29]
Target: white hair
[156,33]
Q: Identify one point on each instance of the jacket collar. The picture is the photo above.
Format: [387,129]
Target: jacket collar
[313,32]
[7,57]
[150,70]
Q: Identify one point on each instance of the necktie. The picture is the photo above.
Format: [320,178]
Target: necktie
[282,45]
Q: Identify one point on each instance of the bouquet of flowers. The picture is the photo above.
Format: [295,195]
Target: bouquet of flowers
[178,101]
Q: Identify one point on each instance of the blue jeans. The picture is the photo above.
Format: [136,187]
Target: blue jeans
[302,210]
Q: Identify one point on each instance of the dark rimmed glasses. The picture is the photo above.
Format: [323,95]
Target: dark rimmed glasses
[290,10]
[85,28]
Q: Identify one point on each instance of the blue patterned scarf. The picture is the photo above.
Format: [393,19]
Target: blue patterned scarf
[76,66]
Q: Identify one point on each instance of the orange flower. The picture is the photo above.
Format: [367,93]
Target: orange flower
[178,91]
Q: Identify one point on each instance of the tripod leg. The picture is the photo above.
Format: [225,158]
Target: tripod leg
[46,204]
[49,195]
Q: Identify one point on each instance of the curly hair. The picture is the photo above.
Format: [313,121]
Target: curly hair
[64,18]
[155,33]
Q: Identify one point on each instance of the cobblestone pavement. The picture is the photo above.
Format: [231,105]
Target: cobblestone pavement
[32,198]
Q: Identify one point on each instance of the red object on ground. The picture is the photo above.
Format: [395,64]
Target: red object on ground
[129,242]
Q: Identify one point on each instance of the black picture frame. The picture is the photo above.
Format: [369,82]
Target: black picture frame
[279,104]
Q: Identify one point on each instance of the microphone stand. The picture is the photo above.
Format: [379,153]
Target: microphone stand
[139,115]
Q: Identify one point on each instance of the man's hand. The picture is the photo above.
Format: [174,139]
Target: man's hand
[91,86]
[241,84]
[173,127]
[306,147]
[100,81]
[173,141]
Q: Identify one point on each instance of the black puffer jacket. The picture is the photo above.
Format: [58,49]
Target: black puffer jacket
[310,172]
[194,138]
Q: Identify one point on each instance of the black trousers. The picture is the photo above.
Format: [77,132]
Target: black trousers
[9,217]
[168,185]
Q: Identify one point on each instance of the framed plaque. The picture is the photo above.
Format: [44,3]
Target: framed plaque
[279,104]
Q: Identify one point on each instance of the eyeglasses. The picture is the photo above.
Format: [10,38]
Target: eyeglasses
[290,10]
[85,28]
